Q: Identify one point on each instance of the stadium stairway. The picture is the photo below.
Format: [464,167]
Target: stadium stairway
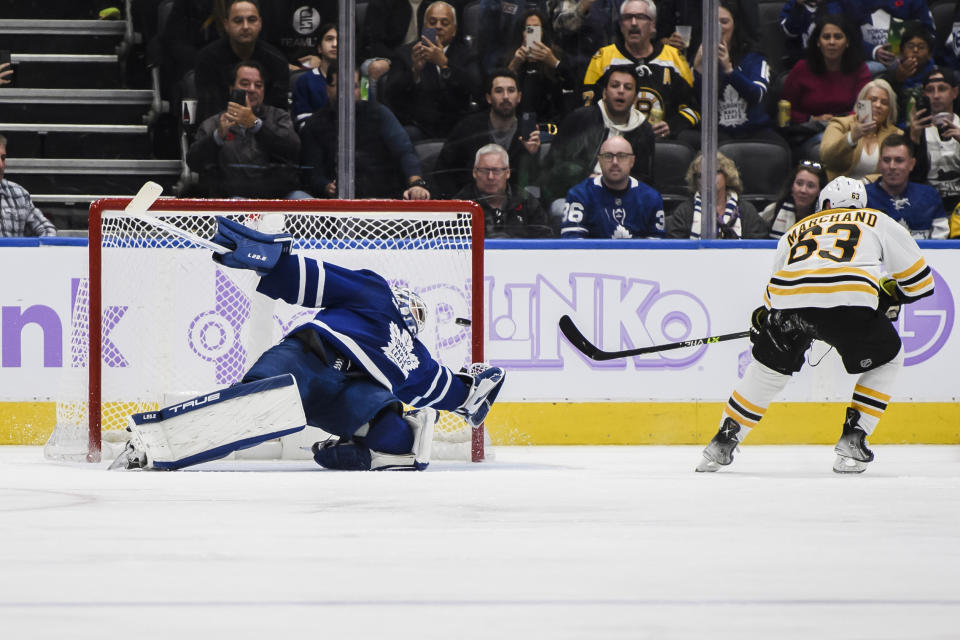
[78,117]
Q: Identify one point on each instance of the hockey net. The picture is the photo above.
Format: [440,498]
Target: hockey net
[157,321]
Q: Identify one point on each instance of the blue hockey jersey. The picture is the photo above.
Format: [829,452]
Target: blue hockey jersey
[594,211]
[919,208]
[874,17]
[359,315]
[741,95]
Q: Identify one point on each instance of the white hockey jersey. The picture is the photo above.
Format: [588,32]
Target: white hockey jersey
[837,257]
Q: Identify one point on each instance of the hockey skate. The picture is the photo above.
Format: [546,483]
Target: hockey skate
[351,455]
[129,458]
[852,451]
[719,453]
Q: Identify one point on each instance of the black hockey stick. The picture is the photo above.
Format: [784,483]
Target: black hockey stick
[590,350]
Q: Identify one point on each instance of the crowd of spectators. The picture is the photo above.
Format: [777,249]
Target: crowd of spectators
[549,83]
[524,101]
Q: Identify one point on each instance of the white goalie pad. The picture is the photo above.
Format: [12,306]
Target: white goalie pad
[214,425]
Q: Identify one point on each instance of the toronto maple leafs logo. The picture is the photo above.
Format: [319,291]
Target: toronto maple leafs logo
[400,349]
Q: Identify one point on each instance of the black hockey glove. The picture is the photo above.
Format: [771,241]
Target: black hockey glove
[889,299]
[250,249]
[757,319]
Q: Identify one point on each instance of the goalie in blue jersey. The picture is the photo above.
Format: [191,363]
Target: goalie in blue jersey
[346,371]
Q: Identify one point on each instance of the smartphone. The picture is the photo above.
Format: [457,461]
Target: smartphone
[532,33]
[5,57]
[923,102]
[864,111]
[238,96]
[430,34]
[527,125]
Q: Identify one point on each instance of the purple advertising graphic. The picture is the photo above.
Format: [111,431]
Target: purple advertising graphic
[925,325]
[615,312]
[215,335]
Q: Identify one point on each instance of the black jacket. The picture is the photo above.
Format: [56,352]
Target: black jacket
[441,98]
[520,217]
[573,153]
[214,75]
[454,166]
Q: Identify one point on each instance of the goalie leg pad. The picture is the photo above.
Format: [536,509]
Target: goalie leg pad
[216,424]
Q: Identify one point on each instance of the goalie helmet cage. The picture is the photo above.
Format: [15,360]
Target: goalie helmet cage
[347,232]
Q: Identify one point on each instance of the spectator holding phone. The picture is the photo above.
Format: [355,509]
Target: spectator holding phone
[433,81]
[851,144]
[250,148]
[542,68]
[744,79]
[501,125]
[6,69]
[935,131]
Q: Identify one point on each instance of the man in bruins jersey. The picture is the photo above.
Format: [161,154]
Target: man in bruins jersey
[665,93]
[829,284]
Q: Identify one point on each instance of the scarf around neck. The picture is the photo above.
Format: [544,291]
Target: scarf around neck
[728,224]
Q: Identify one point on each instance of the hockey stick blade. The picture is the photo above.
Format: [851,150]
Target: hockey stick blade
[584,346]
[146,196]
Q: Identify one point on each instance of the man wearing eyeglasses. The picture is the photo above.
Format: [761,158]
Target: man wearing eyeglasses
[613,204]
[507,212]
[666,81]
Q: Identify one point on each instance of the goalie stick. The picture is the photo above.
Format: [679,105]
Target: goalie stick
[145,197]
[578,340]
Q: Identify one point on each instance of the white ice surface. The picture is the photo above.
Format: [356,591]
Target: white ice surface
[546,542]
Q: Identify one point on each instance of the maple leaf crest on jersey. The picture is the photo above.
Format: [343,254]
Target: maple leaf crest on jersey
[400,350]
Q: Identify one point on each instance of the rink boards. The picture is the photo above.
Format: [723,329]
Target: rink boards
[622,294]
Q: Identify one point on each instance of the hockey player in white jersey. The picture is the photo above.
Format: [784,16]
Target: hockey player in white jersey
[351,365]
[839,276]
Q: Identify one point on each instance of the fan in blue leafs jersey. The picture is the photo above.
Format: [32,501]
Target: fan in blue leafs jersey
[594,210]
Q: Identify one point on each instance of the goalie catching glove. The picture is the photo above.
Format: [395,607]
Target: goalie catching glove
[249,249]
[485,382]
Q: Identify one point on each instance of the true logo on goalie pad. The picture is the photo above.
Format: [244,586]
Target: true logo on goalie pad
[195,402]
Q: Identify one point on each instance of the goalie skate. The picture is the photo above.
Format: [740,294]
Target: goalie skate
[350,455]
[853,455]
[130,458]
[719,453]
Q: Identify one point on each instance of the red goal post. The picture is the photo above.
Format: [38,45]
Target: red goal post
[159,320]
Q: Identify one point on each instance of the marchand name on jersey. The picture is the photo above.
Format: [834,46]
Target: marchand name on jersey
[866,217]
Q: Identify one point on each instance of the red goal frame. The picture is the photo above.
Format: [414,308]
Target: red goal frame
[266,206]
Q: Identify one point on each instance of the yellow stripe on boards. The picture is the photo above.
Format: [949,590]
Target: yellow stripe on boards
[552,423]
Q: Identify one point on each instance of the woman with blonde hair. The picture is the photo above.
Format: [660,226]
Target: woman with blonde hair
[851,144]
[735,218]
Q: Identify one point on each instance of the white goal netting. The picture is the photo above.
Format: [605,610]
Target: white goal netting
[174,324]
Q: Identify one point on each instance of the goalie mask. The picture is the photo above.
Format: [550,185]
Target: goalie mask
[843,193]
[412,308]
